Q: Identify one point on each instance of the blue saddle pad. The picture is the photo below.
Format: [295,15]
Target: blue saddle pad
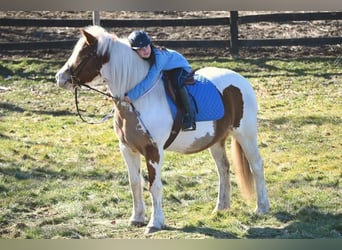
[207,97]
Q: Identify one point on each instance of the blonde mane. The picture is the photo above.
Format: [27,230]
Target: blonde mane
[125,68]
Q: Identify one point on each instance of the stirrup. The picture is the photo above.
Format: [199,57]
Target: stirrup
[188,123]
[192,127]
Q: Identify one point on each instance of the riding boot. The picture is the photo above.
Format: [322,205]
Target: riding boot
[188,123]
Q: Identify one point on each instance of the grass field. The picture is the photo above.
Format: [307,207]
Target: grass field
[61,178]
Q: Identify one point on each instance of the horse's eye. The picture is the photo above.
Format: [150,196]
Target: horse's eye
[84,46]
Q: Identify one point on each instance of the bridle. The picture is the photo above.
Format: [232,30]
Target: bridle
[75,72]
[76,82]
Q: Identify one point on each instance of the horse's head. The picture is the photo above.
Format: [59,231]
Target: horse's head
[84,63]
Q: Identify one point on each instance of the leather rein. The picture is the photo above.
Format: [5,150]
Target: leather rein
[106,117]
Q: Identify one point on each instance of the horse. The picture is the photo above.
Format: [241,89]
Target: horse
[144,128]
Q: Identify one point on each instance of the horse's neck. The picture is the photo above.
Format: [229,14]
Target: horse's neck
[151,103]
[124,70]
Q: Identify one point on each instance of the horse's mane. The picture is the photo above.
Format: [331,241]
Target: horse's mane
[125,67]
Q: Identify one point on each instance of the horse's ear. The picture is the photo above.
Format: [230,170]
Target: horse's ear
[90,39]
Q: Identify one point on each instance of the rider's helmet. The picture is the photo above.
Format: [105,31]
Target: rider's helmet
[139,39]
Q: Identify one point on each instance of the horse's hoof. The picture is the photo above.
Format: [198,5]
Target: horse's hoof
[138,223]
[151,230]
[262,210]
[220,209]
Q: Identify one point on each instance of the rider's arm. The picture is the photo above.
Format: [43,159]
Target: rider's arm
[146,84]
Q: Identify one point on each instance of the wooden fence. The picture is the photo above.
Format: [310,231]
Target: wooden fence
[233,22]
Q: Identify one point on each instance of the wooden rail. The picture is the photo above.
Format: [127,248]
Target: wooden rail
[234,21]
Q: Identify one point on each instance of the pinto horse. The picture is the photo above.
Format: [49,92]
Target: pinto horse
[144,133]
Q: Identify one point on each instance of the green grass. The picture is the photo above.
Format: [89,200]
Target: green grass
[61,178]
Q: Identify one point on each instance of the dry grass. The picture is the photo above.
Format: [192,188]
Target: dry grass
[60,178]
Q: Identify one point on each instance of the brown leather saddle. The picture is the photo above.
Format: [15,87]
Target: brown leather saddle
[177,122]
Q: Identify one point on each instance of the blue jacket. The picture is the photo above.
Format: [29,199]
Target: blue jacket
[165,59]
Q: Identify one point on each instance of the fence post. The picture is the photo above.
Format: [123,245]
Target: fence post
[96,18]
[234,33]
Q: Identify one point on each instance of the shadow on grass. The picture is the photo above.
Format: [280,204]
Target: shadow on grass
[308,223]
[262,64]
[43,172]
[15,108]
[210,232]
[41,69]
[298,121]
[217,234]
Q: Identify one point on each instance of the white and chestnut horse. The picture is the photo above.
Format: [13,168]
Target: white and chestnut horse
[99,53]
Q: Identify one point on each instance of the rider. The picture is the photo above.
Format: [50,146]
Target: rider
[162,60]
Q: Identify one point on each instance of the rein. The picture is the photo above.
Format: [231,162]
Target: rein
[106,117]
[110,114]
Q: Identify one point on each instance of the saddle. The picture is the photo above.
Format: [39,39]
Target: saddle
[171,93]
[168,84]
[205,98]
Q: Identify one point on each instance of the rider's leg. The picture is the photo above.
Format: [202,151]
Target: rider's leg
[179,76]
[188,122]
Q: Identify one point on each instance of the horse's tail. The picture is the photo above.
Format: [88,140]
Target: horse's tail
[243,172]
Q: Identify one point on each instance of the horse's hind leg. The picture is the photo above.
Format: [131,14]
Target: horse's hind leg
[133,163]
[218,152]
[248,143]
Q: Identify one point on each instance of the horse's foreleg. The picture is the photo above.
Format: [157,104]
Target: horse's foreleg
[154,159]
[133,163]
[218,152]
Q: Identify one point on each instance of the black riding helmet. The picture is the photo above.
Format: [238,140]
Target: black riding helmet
[139,39]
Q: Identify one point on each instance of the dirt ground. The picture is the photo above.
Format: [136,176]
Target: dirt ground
[260,30]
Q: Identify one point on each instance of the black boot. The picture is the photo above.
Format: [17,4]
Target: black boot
[188,123]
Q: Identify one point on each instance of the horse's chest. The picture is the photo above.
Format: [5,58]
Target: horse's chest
[130,131]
